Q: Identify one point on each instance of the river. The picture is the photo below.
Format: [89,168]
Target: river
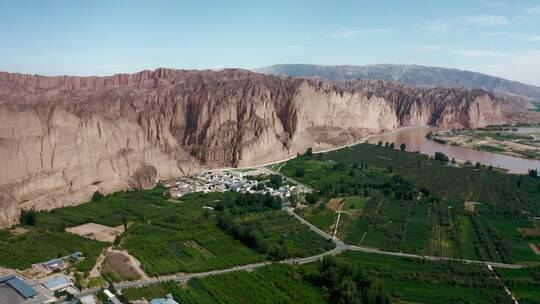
[415,140]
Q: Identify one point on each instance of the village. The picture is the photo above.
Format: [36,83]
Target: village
[49,281]
[42,283]
[258,180]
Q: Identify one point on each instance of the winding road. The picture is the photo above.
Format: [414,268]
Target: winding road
[340,248]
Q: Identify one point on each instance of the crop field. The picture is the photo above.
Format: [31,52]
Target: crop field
[523,283]
[20,252]
[419,281]
[164,244]
[280,228]
[319,216]
[406,280]
[408,202]
[271,284]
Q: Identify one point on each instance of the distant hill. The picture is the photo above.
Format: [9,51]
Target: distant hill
[416,75]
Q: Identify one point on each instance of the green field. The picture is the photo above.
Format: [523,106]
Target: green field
[405,281]
[408,202]
[417,281]
[165,236]
[523,283]
[272,284]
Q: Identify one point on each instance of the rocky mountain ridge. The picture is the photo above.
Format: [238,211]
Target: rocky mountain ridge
[415,75]
[63,138]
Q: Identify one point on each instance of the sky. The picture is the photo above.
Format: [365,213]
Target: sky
[500,38]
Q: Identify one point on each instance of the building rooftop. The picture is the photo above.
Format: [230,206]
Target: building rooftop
[167,300]
[54,262]
[22,288]
[56,283]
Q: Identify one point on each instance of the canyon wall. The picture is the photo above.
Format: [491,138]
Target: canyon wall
[63,138]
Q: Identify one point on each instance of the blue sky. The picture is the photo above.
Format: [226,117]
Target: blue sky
[501,38]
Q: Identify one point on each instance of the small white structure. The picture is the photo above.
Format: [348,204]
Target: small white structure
[90,299]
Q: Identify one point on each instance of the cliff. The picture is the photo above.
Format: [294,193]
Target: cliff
[63,138]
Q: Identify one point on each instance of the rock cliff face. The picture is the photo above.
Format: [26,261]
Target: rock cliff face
[63,138]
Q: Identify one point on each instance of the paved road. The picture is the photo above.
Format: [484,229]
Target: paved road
[400,254]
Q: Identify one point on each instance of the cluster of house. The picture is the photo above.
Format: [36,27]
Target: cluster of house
[222,181]
[21,290]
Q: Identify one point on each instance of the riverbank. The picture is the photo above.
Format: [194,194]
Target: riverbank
[508,141]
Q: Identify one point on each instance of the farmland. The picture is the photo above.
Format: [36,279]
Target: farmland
[407,202]
[524,283]
[272,284]
[404,280]
[420,281]
[165,236]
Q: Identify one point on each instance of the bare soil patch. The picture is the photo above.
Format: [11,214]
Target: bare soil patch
[530,231]
[121,264]
[469,206]
[335,204]
[19,231]
[97,232]
[535,248]
[34,273]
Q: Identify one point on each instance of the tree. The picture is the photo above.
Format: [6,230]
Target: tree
[300,171]
[309,152]
[533,173]
[275,181]
[312,198]
[28,217]
[386,144]
[392,145]
[97,196]
[379,143]
[402,147]
[477,165]
[441,156]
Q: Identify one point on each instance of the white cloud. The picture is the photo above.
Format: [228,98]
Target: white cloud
[533,10]
[348,33]
[477,53]
[484,20]
[442,25]
[530,37]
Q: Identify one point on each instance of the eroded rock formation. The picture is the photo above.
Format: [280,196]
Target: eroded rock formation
[63,138]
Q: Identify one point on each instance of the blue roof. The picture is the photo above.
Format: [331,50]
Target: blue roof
[6,278]
[54,261]
[76,255]
[55,282]
[163,301]
[21,287]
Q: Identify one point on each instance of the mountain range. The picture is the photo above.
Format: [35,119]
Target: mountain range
[415,75]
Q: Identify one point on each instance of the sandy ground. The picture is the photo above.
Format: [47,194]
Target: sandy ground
[19,231]
[34,273]
[97,232]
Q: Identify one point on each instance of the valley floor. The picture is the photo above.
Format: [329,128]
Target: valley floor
[410,229]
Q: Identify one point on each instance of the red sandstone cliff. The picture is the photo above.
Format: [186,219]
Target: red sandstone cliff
[62,138]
